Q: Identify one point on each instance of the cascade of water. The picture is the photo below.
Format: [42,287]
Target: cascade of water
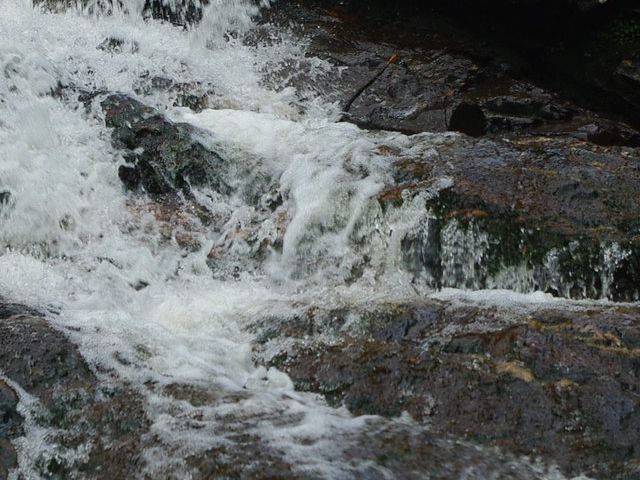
[141,307]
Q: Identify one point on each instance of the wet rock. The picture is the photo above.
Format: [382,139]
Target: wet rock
[400,451]
[174,221]
[8,458]
[118,45]
[512,105]
[224,462]
[525,108]
[6,201]
[181,12]
[609,134]
[195,101]
[556,207]
[545,200]
[553,384]
[119,430]
[194,95]
[440,67]
[468,118]
[10,427]
[9,418]
[86,97]
[382,448]
[571,47]
[130,176]
[40,359]
[169,158]
[45,363]
[8,310]
[5,198]
[627,78]
[412,96]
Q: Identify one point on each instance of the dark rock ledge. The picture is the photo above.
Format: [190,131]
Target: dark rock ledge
[162,157]
[560,207]
[558,384]
[44,363]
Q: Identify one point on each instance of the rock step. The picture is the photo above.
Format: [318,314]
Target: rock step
[558,383]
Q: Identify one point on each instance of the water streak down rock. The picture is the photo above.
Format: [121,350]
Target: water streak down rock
[178,12]
[545,205]
[545,198]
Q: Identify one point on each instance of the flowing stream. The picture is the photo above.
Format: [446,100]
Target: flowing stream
[144,309]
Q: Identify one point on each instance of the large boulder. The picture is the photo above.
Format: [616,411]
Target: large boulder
[163,157]
[444,78]
[42,362]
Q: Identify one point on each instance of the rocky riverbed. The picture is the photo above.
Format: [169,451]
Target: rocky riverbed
[323,244]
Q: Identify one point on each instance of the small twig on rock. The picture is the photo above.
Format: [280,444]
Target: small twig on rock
[392,59]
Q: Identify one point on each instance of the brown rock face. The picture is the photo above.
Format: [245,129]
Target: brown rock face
[556,384]
[9,428]
[42,361]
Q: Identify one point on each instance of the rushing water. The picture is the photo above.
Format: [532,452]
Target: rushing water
[75,243]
